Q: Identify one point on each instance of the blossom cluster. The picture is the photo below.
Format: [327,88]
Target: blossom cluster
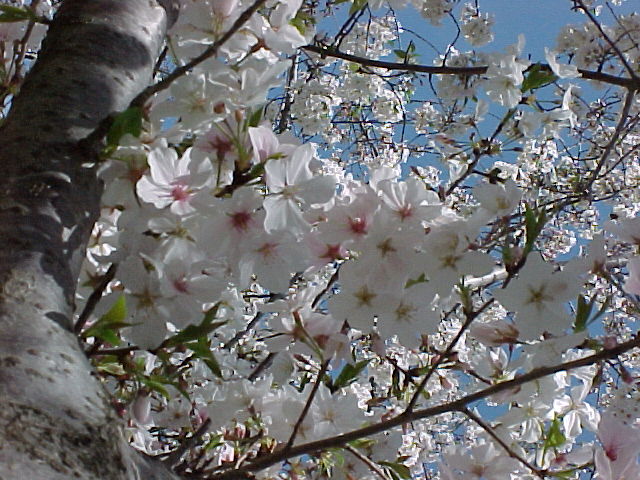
[304,246]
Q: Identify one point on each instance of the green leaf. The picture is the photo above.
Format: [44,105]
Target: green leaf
[348,375]
[117,313]
[254,119]
[111,365]
[534,221]
[202,350]
[414,281]
[554,437]
[402,54]
[157,384]
[583,312]
[128,121]
[536,78]
[107,326]
[15,14]
[215,441]
[357,5]
[507,254]
[195,332]
[402,470]
[256,171]
[299,25]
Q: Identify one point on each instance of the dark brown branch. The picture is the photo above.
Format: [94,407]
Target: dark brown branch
[628,83]
[611,43]
[407,417]
[95,297]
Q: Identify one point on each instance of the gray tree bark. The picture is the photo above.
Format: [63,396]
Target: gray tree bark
[55,419]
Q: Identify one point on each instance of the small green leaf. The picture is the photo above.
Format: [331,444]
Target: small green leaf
[536,78]
[583,312]
[402,54]
[128,121]
[111,365]
[117,313]
[202,350]
[348,375]
[256,171]
[157,384]
[401,470]
[215,441]
[534,221]
[414,281]
[254,119]
[555,437]
[357,5]
[299,25]
[195,332]
[15,14]
[106,327]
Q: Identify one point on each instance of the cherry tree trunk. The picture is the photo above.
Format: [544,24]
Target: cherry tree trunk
[55,419]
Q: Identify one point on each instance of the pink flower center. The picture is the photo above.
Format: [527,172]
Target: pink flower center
[267,250]
[220,145]
[181,285]
[333,252]
[405,212]
[240,221]
[358,225]
[612,453]
[180,193]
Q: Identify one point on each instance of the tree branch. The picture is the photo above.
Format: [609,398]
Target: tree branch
[307,406]
[628,83]
[406,417]
[212,50]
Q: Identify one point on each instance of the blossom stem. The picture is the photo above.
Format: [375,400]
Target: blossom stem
[367,461]
[94,298]
[629,83]
[487,428]
[470,317]
[307,406]
[407,417]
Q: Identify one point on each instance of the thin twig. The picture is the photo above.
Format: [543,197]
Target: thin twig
[407,417]
[174,457]
[470,317]
[240,334]
[307,406]
[611,43]
[285,111]
[114,351]
[487,428]
[262,366]
[94,298]
[373,466]
[624,113]
[329,286]
[630,83]
[96,136]
[212,50]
